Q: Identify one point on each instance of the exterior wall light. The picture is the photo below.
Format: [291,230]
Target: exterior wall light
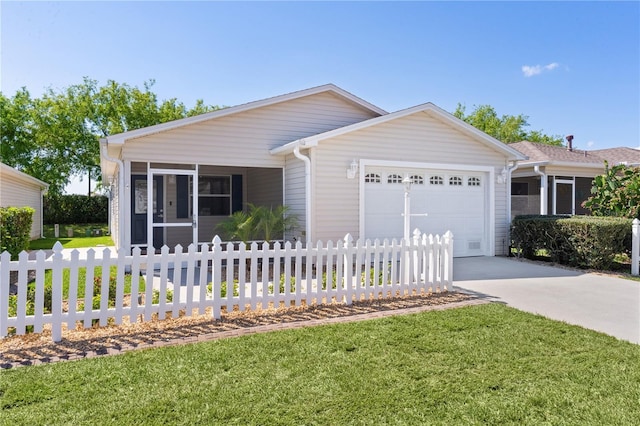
[352,170]
[502,177]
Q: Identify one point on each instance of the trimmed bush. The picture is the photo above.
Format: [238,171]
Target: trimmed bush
[15,229]
[72,209]
[581,241]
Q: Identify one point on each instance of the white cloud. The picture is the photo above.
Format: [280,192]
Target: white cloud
[530,71]
[590,144]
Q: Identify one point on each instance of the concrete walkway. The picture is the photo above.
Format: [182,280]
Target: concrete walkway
[594,301]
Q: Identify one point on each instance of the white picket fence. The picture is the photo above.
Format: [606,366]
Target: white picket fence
[216,276]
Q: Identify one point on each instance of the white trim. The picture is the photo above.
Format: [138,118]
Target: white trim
[490,220]
[511,153]
[23,176]
[122,137]
[571,182]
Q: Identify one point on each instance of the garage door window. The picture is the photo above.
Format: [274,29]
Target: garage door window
[394,179]
[455,181]
[372,178]
[473,181]
[436,180]
[417,180]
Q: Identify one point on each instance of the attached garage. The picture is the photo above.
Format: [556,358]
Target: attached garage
[441,200]
[459,180]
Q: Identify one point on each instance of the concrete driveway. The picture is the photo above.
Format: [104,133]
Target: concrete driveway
[598,302]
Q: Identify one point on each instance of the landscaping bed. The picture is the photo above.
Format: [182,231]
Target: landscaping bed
[32,349]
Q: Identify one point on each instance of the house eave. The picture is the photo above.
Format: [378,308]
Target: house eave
[121,138]
[23,176]
[510,153]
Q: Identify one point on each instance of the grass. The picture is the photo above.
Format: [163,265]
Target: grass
[487,364]
[82,275]
[79,239]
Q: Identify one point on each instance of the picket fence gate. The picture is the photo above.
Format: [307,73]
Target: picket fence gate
[215,276]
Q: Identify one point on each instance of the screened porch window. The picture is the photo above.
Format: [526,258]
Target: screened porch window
[214,195]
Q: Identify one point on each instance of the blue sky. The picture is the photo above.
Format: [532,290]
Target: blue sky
[572,67]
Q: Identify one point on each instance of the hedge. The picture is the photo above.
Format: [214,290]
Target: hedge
[74,209]
[15,229]
[582,241]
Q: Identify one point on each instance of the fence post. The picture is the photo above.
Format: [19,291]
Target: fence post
[56,293]
[216,265]
[448,260]
[5,258]
[635,246]
[348,268]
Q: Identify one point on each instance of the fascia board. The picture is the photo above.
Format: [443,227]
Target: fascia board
[23,176]
[122,137]
[511,153]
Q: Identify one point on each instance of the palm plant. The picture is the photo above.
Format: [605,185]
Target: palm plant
[260,223]
[239,226]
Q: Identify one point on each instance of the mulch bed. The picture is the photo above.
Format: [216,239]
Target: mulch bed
[34,349]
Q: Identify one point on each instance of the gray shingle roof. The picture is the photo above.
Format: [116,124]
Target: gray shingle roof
[542,152]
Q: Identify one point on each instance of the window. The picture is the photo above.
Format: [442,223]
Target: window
[473,181]
[436,180]
[394,179]
[214,195]
[519,188]
[417,180]
[455,181]
[372,178]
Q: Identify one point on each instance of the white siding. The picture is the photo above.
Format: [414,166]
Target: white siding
[295,192]
[245,138]
[264,187]
[17,192]
[415,138]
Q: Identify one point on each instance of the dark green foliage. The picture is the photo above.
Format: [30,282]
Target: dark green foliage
[582,241]
[72,209]
[55,136]
[616,192]
[507,129]
[260,223]
[15,229]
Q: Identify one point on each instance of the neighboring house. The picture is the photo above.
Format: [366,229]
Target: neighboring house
[18,189]
[558,179]
[335,160]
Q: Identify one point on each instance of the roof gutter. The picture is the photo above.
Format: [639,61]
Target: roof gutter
[307,189]
[104,154]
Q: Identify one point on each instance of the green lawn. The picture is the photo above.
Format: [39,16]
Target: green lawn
[83,236]
[487,364]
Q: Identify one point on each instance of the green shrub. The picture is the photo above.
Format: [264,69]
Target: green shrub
[15,229]
[259,223]
[582,241]
[72,209]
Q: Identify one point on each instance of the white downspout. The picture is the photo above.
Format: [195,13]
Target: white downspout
[509,171]
[103,152]
[543,190]
[307,190]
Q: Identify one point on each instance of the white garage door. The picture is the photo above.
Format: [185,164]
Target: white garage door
[452,200]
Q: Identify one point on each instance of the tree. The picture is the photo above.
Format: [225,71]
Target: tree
[57,136]
[616,192]
[508,128]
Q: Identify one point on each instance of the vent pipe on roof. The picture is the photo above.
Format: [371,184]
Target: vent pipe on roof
[569,142]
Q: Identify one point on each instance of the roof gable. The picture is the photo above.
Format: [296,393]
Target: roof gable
[428,108]
[22,176]
[122,137]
